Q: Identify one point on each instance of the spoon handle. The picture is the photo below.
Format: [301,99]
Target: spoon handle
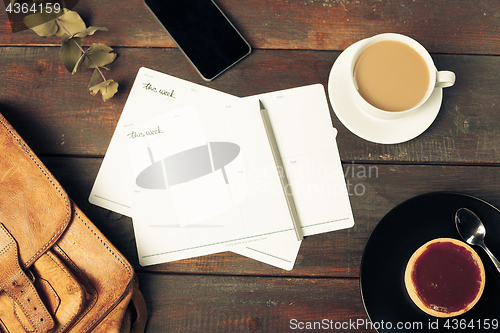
[492,257]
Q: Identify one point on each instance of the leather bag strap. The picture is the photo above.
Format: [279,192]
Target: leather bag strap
[140,308]
[18,286]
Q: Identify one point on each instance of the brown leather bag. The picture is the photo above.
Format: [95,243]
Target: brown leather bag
[58,273]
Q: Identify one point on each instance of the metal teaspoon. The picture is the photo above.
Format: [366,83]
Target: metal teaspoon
[472,230]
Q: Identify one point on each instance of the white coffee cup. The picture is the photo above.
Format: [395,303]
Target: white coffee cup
[437,79]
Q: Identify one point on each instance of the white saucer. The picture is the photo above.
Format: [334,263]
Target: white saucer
[368,127]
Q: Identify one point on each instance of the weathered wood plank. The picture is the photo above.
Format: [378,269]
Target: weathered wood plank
[54,112]
[374,190]
[180,303]
[295,42]
[441,26]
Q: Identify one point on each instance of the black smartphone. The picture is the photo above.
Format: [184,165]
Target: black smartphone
[203,33]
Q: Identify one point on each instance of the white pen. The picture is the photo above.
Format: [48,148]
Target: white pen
[281,171]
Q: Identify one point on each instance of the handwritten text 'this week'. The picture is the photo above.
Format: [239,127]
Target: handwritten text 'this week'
[148,86]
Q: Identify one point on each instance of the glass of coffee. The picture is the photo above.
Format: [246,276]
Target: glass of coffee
[393,75]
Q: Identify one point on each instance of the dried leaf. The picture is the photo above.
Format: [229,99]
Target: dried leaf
[107,88]
[70,53]
[95,89]
[71,28]
[78,63]
[43,24]
[89,31]
[44,30]
[109,91]
[94,78]
[100,54]
[70,23]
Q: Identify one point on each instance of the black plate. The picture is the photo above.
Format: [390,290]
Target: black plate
[400,233]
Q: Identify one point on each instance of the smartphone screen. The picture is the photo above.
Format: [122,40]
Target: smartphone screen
[203,33]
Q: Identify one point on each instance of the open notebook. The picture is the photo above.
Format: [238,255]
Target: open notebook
[192,166]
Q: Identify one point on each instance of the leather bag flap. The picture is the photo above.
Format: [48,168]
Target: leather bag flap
[34,208]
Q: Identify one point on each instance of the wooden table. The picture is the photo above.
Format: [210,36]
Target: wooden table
[295,43]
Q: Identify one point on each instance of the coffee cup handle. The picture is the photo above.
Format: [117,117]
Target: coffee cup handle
[445,79]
